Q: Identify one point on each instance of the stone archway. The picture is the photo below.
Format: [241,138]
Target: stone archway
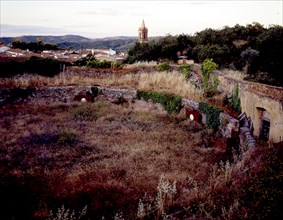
[264,128]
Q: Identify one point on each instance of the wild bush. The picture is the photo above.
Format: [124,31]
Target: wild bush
[210,88]
[185,70]
[158,207]
[163,67]
[103,64]
[212,115]
[171,103]
[35,65]
[236,102]
[67,214]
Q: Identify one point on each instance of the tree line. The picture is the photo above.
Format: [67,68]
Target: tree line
[252,48]
[36,47]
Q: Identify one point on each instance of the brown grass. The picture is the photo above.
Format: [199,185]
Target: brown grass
[102,155]
[122,160]
[171,82]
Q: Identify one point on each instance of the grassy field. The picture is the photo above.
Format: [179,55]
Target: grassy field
[118,161]
[108,161]
[100,155]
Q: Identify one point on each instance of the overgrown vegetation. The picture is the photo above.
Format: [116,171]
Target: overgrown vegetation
[103,64]
[34,65]
[209,86]
[36,47]
[236,102]
[212,115]
[185,70]
[252,48]
[170,102]
[163,67]
[128,163]
[52,155]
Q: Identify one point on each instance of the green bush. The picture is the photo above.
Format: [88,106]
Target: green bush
[42,66]
[236,102]
[103,64]
[212,115]
[210,88]
[171,103]
[185,70]
[99,64]
[206,68]
[163,67]
[34,65]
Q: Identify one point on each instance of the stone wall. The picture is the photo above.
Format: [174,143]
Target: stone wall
[252,103]
[254,98]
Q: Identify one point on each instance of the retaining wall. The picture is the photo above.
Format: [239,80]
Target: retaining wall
[255,97]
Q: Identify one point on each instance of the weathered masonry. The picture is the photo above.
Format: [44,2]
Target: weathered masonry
[262,103]
[266,114]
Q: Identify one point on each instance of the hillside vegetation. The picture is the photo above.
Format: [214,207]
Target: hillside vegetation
[253,49]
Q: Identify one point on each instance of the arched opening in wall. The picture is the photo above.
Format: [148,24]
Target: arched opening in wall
[264,117]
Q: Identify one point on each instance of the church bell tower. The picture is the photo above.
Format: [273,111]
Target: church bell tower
[143,38]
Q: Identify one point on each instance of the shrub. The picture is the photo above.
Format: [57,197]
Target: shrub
[163,67]
[94,91]
[206,68]
[103,64]
[36,65]
[165,198]
[236,102]
[211,89]
[42,66]
[67,214]
[171,103]
[84,60]
[212,115]
[185,70]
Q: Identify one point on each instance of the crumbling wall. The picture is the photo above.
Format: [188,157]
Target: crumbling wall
[251,102]
[254,96]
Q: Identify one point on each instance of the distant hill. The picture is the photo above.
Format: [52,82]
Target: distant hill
[116,43]
[47,39]
[119,43]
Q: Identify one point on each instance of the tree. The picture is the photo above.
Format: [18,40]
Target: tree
[250,55]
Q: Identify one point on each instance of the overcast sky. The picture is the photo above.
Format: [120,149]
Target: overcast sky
[106,18]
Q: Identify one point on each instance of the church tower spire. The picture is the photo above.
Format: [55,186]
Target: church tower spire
[143,31]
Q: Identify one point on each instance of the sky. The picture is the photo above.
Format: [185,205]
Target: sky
[97,19]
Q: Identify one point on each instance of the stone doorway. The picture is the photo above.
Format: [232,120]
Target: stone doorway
[264,117]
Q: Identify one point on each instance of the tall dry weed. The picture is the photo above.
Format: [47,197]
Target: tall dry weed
[169,82]
[234,74]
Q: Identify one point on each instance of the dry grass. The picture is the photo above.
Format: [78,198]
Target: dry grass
[103,155]
[171,82]
[125,161]
[141,64]
[234,74]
